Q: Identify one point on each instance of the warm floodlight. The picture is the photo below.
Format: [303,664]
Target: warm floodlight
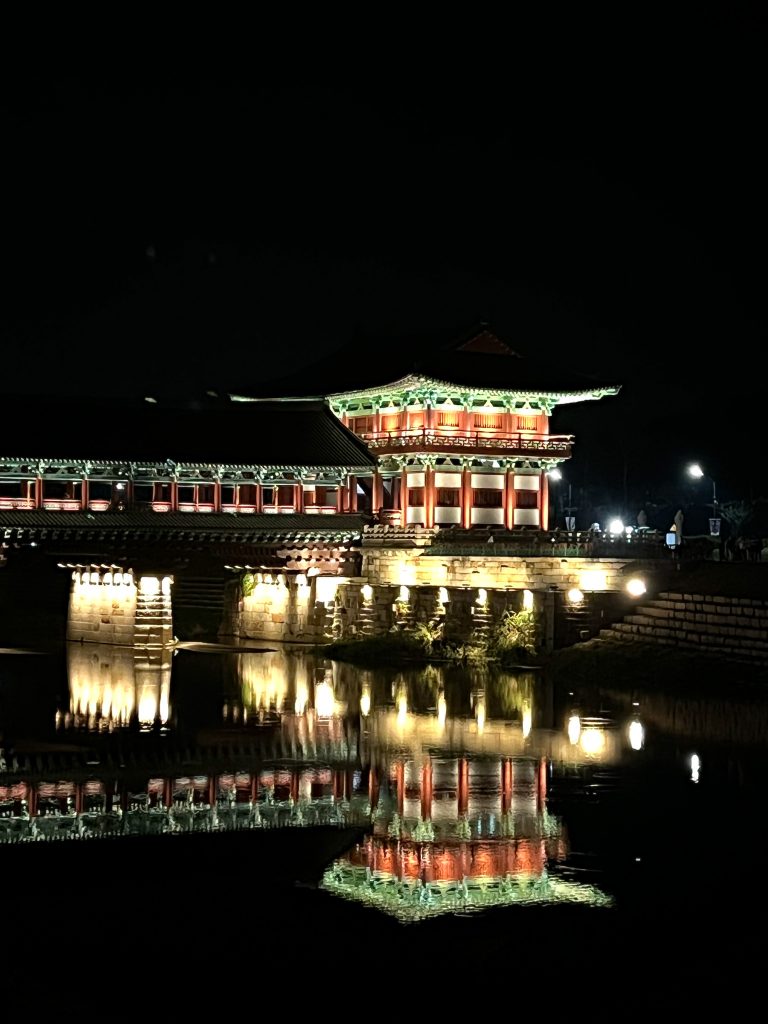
[635,587]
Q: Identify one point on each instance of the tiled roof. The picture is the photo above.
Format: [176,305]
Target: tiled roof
[259,525]
[303,433]
[477,358]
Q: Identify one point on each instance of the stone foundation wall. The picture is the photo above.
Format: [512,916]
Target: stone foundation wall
[284,608]
[102,608]
[107,607]
[417,567]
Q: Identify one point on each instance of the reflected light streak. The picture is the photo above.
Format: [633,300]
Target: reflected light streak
[402,708]
[324,699]
[302,697]
[480,714]
[527,719]
[574,729]
[592,741]
[365,701]
[636,735]
[442,710]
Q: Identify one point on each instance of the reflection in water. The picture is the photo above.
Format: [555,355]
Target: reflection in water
[457,775]
[113,687]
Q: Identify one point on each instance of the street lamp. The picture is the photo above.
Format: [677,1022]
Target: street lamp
[556,476]
[698,473]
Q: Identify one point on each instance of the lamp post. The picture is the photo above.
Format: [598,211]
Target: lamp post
[698,473]
[556,476]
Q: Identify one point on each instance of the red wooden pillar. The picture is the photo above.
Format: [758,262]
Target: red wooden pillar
[167,792]
[426,790]
[212,790]
[295,785]
[429,496]
[254,787]
[377,492]
[174,496]
[298,499]
[78,798]
[31,799]
[259,497]
[466,498]
[84,493]
[509,499]
[38,492]
[217,496]
[544,502]
[340,490]
[404,497]
[338,784]
[463,785]
[352,493]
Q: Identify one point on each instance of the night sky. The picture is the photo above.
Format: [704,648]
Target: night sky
[171,239]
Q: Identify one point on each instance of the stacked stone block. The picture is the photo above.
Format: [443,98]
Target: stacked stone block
[733,626]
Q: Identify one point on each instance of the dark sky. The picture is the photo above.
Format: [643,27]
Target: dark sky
[181,237]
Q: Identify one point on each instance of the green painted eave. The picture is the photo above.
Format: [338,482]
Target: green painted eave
[414,900]
[416,388]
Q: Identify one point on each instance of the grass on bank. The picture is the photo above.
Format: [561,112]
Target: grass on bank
[650,666]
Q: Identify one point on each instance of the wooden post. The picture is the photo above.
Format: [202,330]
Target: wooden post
[38,492]
[377,490]
[544,502]
[466,498]
[509,498]
[84,493]
[217,496]
[352,493]
[404,498]
[258,497]
[298,500]
[429,496]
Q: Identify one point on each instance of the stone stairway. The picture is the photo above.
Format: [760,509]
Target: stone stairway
[732,626]
[199,592]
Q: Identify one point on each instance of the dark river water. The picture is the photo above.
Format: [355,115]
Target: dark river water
[481,795]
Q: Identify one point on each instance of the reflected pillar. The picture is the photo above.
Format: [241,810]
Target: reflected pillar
[400,785]
[426,790]
[463,785]
[373,787]
[506,785]
[541,789]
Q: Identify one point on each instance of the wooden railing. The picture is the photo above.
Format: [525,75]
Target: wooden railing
[448,439]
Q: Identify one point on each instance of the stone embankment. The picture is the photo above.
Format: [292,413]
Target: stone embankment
[732,626]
